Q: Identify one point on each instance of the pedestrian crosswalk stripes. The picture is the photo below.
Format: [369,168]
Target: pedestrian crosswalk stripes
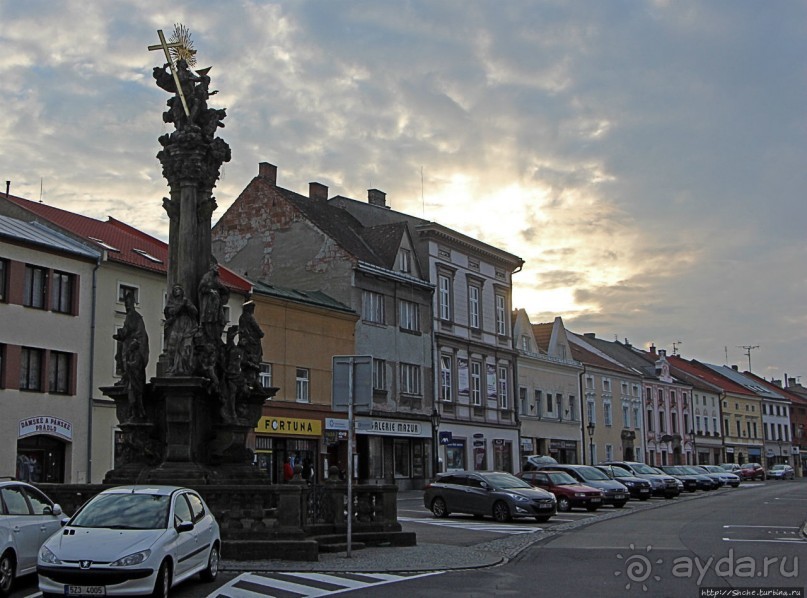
[480,526]
[290,584]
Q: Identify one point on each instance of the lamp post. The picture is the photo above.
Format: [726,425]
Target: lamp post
[590,427]
[435,441]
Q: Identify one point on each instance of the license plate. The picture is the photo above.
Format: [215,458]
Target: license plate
[619,496]
[85,591]
[596,500]
[645,490]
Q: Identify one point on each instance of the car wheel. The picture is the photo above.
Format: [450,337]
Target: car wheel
[564,504]
[6,573]
[542,518]
[211,572]
[619,505]
[501,512]
[163,583]
[439,507]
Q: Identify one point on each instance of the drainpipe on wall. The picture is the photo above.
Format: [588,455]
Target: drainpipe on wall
[582,412]
[92,369]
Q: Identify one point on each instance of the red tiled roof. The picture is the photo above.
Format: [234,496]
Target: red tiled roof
[696,368]
[124,244]
[792,396]
[542,334]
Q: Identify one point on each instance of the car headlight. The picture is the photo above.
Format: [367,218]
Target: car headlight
[518,497]
[132,559]
[47,556]
[580,494]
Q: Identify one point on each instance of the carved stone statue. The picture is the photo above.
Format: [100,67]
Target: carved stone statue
[181,323]
[132,357]
[249,339]
[213,296]
[233,385]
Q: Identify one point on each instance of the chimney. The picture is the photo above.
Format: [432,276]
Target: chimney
[627,343]
[776,382]
[589,335]
[791,382]
[735,368]
[268,172]
[8,187]
[652,349]
[377,198]
[318,191]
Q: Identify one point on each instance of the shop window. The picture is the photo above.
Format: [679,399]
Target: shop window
[375,457]
[36,287]
[455,455]
[31,368]
[402,458]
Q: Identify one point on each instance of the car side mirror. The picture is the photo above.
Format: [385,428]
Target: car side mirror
[184,526]
[55,510]
[485,486]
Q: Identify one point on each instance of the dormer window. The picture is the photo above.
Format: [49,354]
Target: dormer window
[405,260]
[148,256]
[105,245]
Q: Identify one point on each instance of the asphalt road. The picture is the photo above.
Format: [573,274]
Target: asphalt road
[732,538]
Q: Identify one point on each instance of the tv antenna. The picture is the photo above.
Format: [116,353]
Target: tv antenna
[675,345]
[748,349]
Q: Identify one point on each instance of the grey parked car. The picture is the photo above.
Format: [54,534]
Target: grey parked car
[498,494]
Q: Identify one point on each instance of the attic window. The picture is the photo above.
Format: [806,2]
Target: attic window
[148,256]
[106,246]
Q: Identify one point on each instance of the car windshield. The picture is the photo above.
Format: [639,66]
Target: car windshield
[672,469]
[691,470]
[642,468]
[749,466]
[560,478]
[505,480]
[714,468]
[124,511]
[777,467]
[591,473]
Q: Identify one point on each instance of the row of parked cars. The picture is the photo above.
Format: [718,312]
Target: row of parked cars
[544,486]
[128,540]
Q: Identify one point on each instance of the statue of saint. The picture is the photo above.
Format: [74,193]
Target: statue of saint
[181,317]
[213,297]
[249,339]
[133,328]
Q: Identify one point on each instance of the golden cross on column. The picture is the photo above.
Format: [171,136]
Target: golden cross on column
[164,46]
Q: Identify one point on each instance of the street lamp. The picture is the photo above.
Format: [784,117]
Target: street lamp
[435,443]
[590,428]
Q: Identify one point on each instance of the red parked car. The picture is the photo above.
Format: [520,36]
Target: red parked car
[568,491]
[751,471]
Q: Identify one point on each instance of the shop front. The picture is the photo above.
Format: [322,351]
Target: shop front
[395,451]
[43,444]
[481,449]
[564,451]
[296,439]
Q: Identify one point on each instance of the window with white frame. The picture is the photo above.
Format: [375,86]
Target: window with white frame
[410,379]
[35,287]
[473,306]
[609,452]
[705,424]
[59,372]
[126,289]
[476,383]
[698,424]
[606,413]
[626,416]
[265,375]
[714,425]
[409,316]
[303,385]
[591,414]
[405,259]
[61,292]
[501,315]
[572,408]
[444,297]
[637,420]
[606,385]
[446,378]
[525,343]
[539,403]
[372,307]
[504,399]
[379,374]
[522,400]
[635,390]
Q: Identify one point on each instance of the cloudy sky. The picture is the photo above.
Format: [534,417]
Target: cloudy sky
[647,159]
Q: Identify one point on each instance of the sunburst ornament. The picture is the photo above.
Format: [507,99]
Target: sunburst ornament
[185,51]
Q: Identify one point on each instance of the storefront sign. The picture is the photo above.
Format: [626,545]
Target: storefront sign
[729,449]
[45,424]
[333,423]
[289,425]
[445,437]
[392,427]
[526,445]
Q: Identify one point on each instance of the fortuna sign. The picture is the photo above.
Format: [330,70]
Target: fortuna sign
[289,425]
[45,424]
